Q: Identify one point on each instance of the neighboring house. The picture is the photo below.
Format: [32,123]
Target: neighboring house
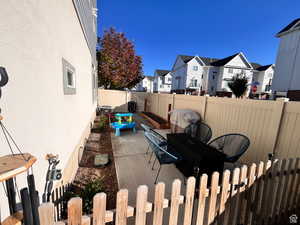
[208,75]
[48,49]
[287,72]
[263,78]
[162,81]
[146,84]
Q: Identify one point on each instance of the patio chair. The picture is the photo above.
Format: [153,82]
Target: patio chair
[164,153]
[233,145]
[199,131]
[145,127]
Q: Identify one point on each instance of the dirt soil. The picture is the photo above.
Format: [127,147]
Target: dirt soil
[99,143]
[155,118]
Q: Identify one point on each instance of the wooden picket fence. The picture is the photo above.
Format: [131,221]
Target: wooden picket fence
[264,193]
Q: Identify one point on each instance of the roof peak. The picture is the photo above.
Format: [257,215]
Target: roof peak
[295,23]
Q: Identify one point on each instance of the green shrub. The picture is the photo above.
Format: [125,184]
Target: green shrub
[86,193]
[103,122]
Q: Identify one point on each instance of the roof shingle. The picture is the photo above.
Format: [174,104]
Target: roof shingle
[162,72]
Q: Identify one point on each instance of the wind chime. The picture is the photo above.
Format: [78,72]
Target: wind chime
[11,165]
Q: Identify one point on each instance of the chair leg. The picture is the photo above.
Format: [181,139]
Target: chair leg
[155,182]
[153,164]
[148,150]
[150,157]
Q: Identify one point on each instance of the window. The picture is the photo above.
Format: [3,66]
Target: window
[69,78]
[212,88]
[213,77]
[169,79]
[194,83]
[161,86]
[230,70]
[195,68]
[202,76]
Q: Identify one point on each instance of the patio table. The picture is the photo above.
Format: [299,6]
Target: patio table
[198,157]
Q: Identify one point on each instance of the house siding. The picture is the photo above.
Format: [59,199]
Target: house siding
[35,37]
[286,75]
[86,11]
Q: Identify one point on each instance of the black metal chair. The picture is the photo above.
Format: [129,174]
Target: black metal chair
[164,153]
[233,145]
[199,131]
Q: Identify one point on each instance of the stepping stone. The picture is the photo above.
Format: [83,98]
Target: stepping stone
[101,160]
[94,137]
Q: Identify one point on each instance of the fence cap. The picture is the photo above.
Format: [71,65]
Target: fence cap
[283,99]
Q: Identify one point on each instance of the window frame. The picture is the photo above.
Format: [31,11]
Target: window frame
[195,68]
[230,70]
[68,68]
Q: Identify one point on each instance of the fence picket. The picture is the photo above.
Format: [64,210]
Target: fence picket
[286,187]
[213,198]
[265,203]
[293,185]
[273,189]
[280,189]
[258,183]
[234,197]
[225,192]
[122,205]
[141,203]
[297,188]
[159,204]
[99,209]
[201,200]
[242,201]
[250,194]
[75,211]
[189,201]
[46,213]
[261,190]
[175,201]
[85,220]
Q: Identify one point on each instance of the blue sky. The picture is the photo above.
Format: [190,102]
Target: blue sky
[162,29]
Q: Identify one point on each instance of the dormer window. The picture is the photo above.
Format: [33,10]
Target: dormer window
[195,68]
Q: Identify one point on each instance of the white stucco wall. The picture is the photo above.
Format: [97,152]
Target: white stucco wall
[287,70]
[35,36]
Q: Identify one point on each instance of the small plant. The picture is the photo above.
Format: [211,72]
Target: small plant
[86,193]
[103,122]
[238,85]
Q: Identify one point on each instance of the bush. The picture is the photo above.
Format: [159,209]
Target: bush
[103,122]
[86,193]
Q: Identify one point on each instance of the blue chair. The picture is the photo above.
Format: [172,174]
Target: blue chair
[199,131]
[233,145]
[164,153]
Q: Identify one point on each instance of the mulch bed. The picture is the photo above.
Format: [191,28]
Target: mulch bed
[99,143]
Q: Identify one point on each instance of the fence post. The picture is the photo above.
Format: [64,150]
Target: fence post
[213,198]
[175,198]
[204,107]
[201,200]
[141,203]
[99,209]
[159,204]
[75,211]
[46,213]
[275,125]
[189,201]
[121,209]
